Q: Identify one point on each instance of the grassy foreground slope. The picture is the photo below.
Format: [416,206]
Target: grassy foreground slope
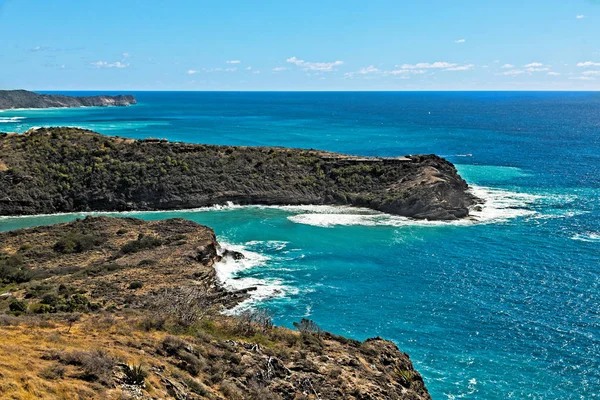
[66,169]
[118,308]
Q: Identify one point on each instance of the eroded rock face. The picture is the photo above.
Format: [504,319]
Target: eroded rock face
[53,170]
[11,99]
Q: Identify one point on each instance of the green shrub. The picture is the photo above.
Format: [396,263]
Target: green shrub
[17,306]
[135,375]
[142,243]
[75,242]
[40,308]
[13,270]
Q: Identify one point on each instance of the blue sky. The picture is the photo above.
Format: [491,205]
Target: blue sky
[300,45]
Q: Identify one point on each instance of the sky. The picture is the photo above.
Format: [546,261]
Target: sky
[300,45]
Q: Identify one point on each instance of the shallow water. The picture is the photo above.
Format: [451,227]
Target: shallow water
[506,305]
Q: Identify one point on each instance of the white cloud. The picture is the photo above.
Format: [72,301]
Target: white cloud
[104,64]
[553,73]
[248,68]
[314,66]
[461,68]
[404,72]
[538,69]
[533,65]
[256,72]
[580,16]
[582,78]
[368,70]
[590,73]
[279,69]
[233,62]
[460,41]
[191,72]
[507,66]
[512,72]
[437,64]
[126,55]
[588,64]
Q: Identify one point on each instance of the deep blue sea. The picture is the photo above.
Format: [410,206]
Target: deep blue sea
[503,306]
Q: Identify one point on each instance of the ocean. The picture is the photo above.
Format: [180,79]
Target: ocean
[503,306]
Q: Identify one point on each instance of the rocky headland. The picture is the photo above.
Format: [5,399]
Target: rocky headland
[14,99]
[53,170]
[118,308]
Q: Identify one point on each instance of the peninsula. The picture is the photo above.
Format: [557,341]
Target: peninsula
[52,170]
[14,99]
[117,308]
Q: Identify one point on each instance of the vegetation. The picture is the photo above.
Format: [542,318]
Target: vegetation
[70,333]
[66,169]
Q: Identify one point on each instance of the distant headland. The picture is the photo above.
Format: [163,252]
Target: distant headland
[14,99]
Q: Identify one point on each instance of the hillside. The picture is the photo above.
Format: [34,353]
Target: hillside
[53,170]
[118,308]
[11,99]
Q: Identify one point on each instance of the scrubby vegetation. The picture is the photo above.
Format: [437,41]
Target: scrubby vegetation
[66,169]
[147,324]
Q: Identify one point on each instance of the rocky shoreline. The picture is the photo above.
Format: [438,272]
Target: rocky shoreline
[23,99]
[52,170]
[123,292]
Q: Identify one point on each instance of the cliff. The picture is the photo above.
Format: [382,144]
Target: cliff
[118,308]
[10,99]
[53,170]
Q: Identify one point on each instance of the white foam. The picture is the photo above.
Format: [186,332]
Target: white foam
[587,237]
[11,120]
[500,206]
[228,271]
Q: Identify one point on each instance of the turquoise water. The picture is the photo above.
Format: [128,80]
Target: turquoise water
[504,306]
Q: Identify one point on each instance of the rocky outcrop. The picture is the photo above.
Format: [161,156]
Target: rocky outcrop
[54,170]
[109,293]
[11,99]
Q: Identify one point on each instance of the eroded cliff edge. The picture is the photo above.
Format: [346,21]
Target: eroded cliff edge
[83,302]
[53,170]
[12,99]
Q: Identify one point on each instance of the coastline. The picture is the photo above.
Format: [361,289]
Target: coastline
[177,175]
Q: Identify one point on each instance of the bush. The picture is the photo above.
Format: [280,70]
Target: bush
[97,365]
[135,375]
[136,285]
[308,326]
[12,270]
[17,306]
[142,243]
[76,242]
[53,372]
[40,308]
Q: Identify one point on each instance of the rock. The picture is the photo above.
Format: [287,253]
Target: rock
[236,255]
[123,175]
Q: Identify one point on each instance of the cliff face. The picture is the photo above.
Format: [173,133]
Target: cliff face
[85,301]
[10,99]
[65,169]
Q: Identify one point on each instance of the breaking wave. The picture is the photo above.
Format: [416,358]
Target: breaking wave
[11,120]
[230,273]
[500,206]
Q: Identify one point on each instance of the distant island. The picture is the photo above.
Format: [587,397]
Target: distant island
[51,170]
[14,99]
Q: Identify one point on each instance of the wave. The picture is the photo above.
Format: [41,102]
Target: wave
[230,274]
[587,237]
[11,120]
[500,206]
